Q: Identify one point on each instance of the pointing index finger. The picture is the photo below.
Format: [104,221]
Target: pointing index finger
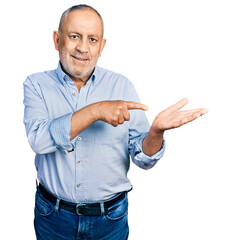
[135,105]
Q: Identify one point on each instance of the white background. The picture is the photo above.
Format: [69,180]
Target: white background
[169,50]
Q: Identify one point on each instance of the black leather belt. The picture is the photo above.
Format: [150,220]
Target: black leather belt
[89,209]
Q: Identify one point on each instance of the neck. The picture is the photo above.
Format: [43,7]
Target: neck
[79,83]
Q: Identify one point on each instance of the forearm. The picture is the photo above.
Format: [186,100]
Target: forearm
[82,119]
[152,142]
[112,112]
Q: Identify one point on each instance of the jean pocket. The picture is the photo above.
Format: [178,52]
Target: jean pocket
[118,210]
[42,206]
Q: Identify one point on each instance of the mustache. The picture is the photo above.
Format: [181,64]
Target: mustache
[78,54]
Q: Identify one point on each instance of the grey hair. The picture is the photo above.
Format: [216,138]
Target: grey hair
[77,7]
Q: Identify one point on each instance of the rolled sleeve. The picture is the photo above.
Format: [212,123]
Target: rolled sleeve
[45,135]
[138,130]
[60,129]
[141,159]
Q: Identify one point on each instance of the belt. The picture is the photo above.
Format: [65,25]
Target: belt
[88,209]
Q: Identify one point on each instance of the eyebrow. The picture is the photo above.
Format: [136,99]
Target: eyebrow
[91,35]
[74,33]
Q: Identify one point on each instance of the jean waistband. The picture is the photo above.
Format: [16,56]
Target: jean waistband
[88,209]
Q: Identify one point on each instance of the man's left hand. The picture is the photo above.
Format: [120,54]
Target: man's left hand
[173,118]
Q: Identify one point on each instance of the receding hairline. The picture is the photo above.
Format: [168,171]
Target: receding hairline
[75,8]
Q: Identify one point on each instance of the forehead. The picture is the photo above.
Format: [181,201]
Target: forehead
[83,21]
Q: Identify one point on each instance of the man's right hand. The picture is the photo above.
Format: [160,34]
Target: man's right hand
[116,112]
[112,112]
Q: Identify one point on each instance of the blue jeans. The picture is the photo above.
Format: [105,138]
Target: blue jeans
[54,223]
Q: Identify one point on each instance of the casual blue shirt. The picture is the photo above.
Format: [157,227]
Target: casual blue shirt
[93,166]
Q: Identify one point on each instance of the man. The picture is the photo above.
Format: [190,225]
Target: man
[83,122]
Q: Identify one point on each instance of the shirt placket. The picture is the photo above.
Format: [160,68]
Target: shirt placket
[81,151]
[72,92]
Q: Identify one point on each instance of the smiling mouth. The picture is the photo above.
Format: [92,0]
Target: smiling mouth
[80,59]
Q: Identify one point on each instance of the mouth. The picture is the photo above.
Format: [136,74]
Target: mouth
[80,59]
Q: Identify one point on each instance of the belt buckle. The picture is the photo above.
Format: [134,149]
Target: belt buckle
[77,208]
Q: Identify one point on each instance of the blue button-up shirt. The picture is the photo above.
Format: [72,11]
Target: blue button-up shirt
[93,166]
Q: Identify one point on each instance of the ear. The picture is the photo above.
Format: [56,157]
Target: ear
[102,46]
[56,39]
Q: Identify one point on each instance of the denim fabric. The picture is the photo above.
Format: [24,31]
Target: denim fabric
[54,223]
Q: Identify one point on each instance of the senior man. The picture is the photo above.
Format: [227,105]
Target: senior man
[79,124]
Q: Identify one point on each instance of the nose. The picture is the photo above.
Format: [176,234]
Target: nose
[82,46]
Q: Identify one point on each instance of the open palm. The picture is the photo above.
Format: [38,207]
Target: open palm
[171,117]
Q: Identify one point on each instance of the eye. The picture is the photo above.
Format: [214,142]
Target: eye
[93,40]
[74,36]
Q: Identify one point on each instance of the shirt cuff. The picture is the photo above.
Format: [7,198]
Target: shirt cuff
[144,161]
[60,129]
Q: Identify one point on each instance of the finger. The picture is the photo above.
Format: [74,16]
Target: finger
[135,105]
[127,116]
[114,122]
[121,119]
[200,111]
[178,105]
[203,111]
[184,121]
[191,116]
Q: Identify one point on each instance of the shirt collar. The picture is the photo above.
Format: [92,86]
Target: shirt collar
[63,76]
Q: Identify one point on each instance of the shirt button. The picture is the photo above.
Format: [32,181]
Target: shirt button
[79,138]
[79,185]
[73,93]
[79,161]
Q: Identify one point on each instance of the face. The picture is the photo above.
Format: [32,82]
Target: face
[80,43]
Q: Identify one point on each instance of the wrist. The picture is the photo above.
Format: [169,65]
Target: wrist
[152,142]
[94,108]
[154,132]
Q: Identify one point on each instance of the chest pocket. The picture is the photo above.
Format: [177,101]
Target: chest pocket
[104,133]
